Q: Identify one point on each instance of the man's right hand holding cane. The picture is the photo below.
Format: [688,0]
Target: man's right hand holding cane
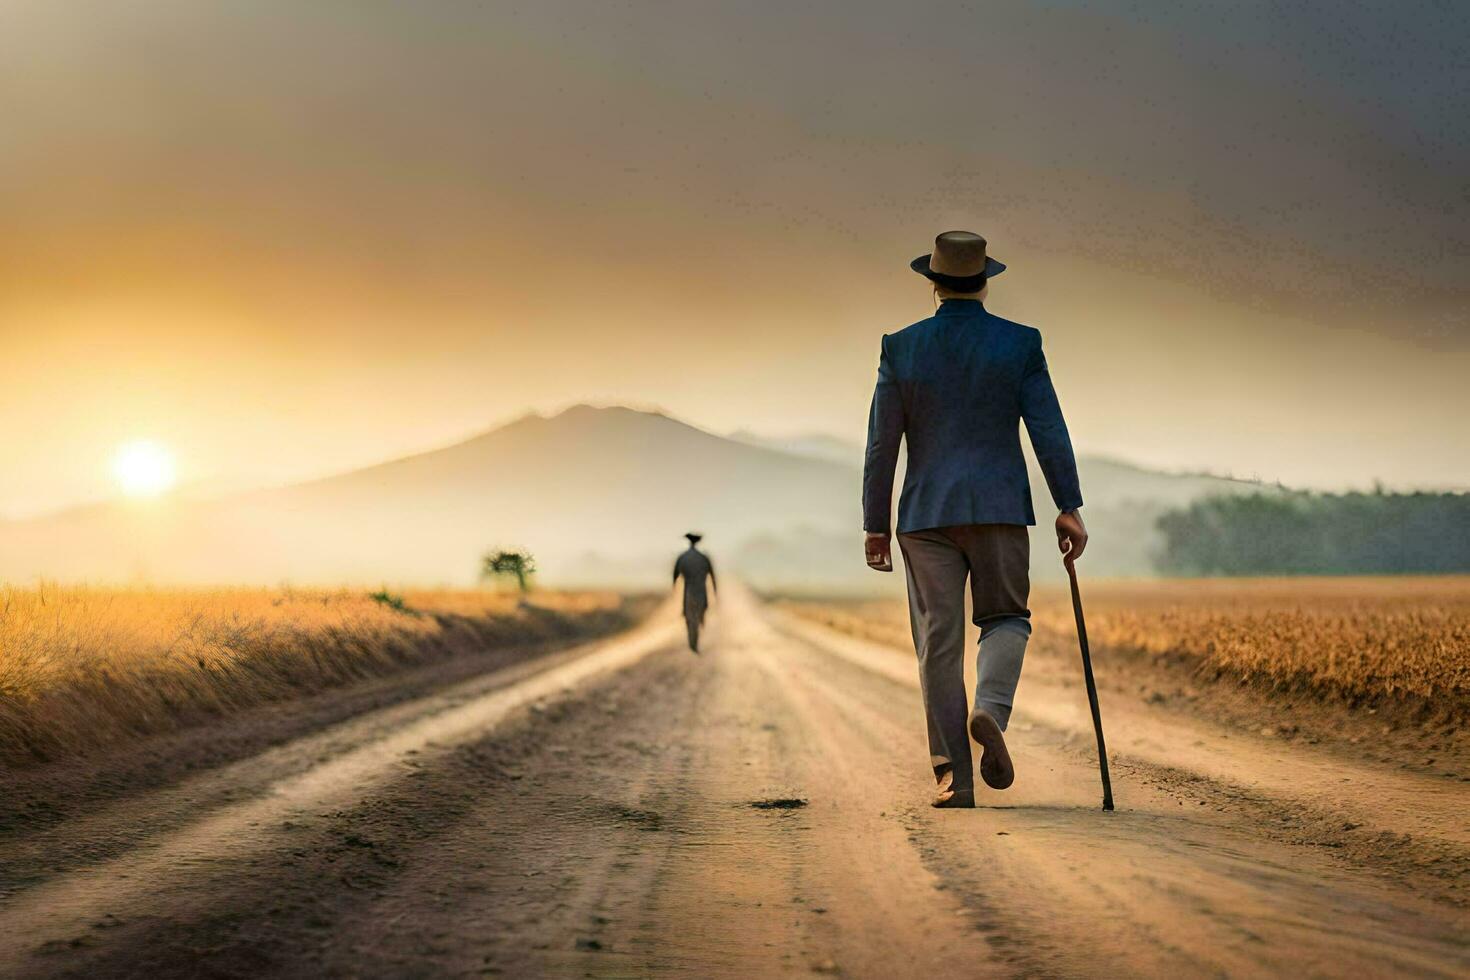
[1071,535]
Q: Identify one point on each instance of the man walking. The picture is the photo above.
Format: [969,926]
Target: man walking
[957,386]
[694,566]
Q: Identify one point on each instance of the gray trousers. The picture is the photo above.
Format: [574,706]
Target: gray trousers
[996,559]
[695,604]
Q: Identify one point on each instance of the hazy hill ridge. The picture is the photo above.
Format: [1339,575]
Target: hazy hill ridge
[599,494]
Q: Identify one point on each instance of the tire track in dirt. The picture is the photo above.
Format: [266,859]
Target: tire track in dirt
[1407,827]
[73,909]
[111,805]
[601,823]
[1155,888]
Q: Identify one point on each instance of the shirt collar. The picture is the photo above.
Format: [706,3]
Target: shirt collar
[960,307]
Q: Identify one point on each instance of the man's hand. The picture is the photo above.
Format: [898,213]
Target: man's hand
[879,551]
[1071,536]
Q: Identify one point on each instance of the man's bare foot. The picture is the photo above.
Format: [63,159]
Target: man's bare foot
[995,762]
[947,797]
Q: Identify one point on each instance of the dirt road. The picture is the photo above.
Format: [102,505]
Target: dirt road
[629,809]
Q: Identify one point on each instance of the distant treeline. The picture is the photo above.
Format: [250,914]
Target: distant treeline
[1319,534]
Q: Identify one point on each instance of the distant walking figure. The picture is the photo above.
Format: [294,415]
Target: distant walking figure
[695,567]
[956,386]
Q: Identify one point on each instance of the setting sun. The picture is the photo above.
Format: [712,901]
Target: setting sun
[143,468]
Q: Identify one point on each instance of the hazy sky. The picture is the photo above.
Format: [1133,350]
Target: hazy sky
[285,238]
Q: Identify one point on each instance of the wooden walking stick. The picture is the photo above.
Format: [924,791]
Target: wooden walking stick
[1102,749]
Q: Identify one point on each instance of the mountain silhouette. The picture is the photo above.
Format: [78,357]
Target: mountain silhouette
[598,495]
[611,489]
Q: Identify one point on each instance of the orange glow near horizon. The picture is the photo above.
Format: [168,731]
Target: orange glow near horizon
[286,244]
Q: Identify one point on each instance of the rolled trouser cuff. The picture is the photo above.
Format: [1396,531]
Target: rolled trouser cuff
[1013,624]
[1002,652]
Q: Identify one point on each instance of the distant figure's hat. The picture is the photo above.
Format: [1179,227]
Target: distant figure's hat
[694,537]
[958,262]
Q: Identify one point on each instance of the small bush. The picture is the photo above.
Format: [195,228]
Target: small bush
[520,564]
[392,601]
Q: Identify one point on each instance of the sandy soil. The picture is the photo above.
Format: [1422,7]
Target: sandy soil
[630,809]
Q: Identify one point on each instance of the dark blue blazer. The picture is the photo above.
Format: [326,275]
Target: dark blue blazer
[957,387]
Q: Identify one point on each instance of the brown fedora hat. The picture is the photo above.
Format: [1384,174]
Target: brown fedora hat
[958,262]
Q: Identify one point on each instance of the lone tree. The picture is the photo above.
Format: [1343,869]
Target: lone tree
[521,564]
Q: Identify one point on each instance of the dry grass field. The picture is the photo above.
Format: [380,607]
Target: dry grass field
[1350,640]
[86,667]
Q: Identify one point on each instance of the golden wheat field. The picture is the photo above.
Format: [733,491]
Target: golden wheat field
[1354,639]
[82,667]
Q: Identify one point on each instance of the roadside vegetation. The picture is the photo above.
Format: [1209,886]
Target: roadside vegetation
[1319,534]
[82,668]
[517,565]
[1355,641]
